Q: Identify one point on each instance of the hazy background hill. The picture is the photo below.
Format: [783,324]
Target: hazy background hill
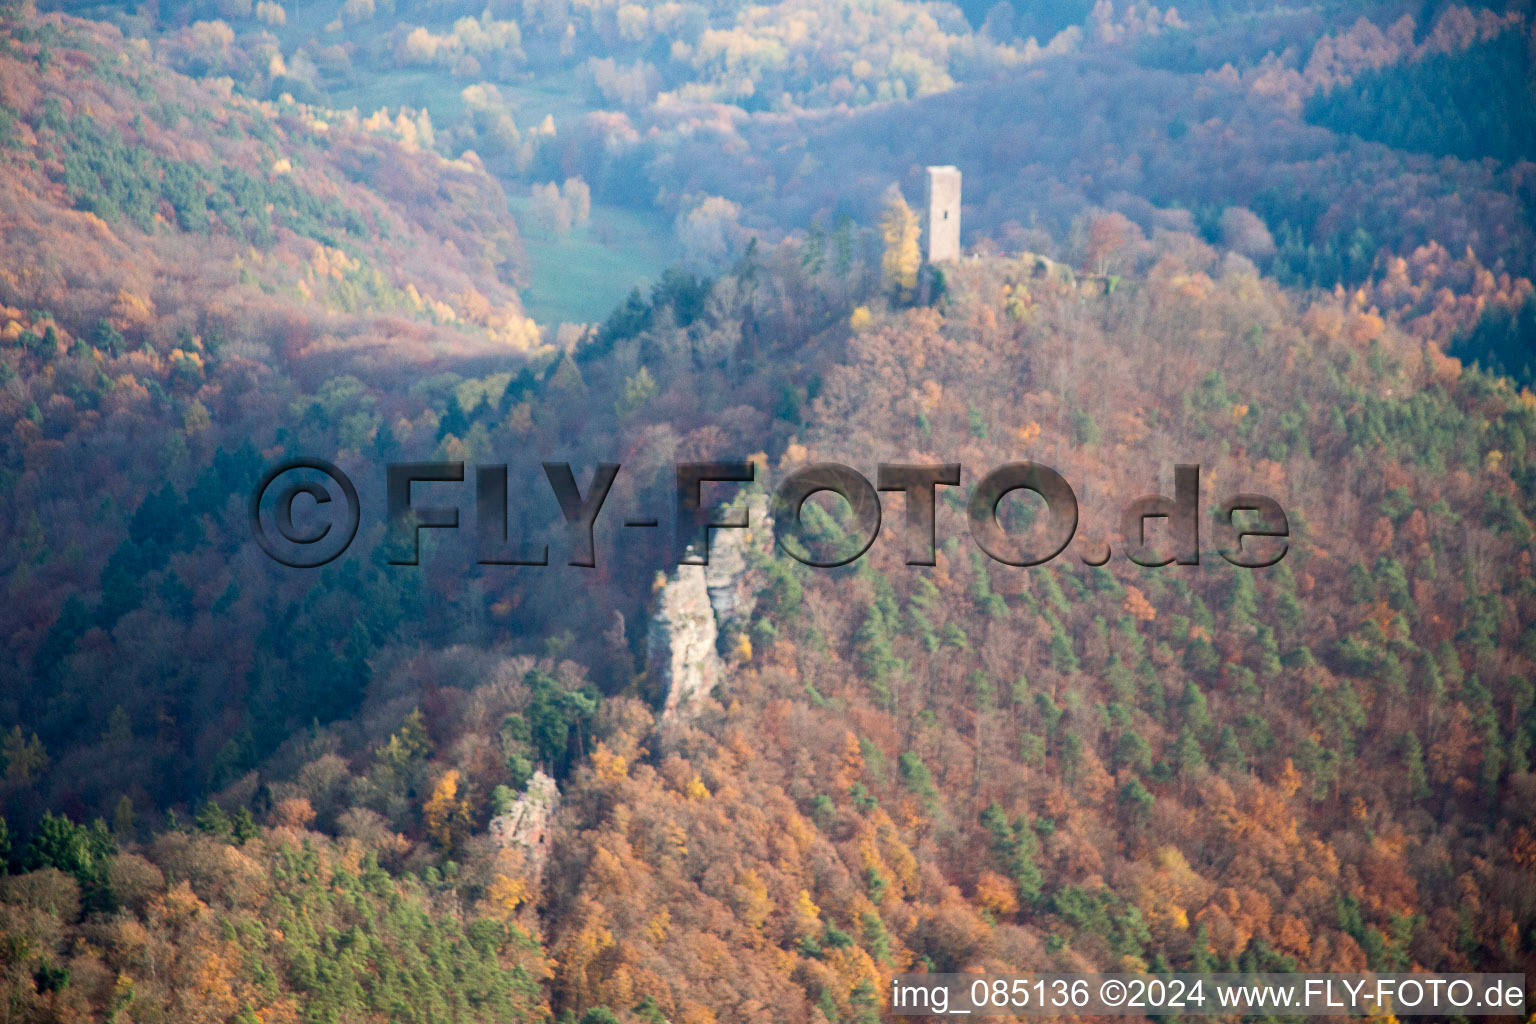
[1353,132]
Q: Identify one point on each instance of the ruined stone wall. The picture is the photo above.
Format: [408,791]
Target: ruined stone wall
[525,826]
[943,214]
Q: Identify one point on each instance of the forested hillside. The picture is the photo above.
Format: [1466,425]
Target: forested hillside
[1351,132]
[235,791]
[178,267]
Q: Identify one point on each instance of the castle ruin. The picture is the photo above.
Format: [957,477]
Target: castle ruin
[943,205]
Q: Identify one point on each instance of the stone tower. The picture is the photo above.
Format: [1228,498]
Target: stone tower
[943,214]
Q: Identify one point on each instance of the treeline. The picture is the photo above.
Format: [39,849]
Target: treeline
[224,920]
[157,314]
[1503,342]
[116,179]
[1478,103]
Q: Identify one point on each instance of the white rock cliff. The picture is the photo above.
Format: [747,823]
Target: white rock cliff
[694,605]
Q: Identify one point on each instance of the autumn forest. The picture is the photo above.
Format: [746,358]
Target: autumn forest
[1293,246]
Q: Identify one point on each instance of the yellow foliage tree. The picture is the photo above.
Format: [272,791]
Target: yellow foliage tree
[996,894]
[610,766]
[133,310]
[505,894]
[850,763]
[807,914]
[446,813]
[901,259]
[753,904]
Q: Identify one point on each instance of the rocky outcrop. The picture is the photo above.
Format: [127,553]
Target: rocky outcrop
[525,826]
[681,642]
[732,593]
[697,605]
